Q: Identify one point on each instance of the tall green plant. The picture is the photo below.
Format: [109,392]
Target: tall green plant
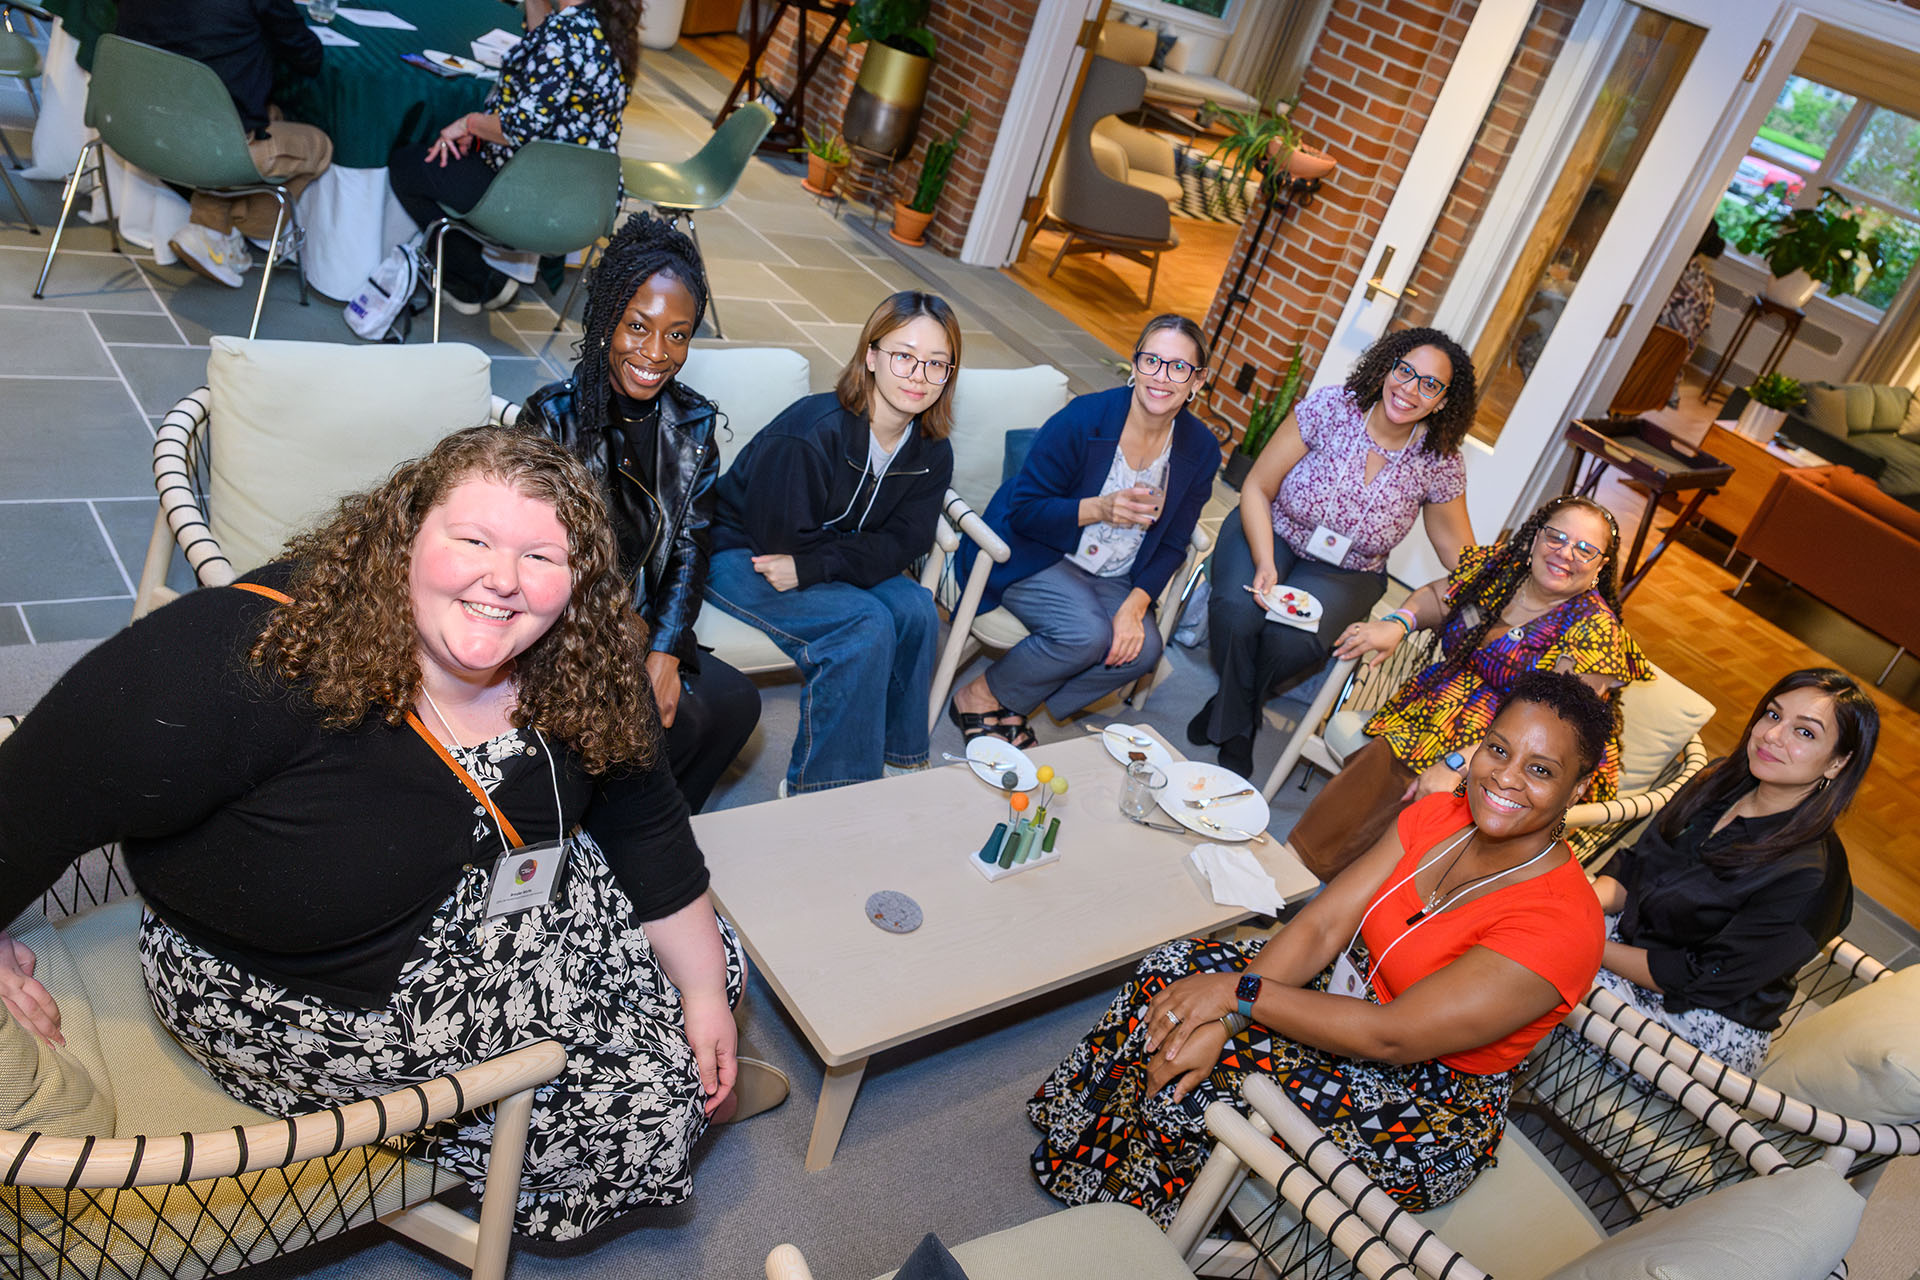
[1824,240]
[900,24]
[1269,412]
[1245,149]
[933,173]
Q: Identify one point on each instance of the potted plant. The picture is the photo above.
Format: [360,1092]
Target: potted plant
[1768,400]
[910,217]
[827,159]
[883,110]
[1806,248]
[1267,415]
[1269,146]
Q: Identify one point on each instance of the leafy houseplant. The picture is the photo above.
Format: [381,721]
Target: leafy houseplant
[1823,241]
[1268,413]
[1265,146]
[827,158]
[910,217]
[1768,400]
[899,24]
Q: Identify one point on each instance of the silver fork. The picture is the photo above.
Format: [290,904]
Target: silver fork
[1207,802]
[1256,837]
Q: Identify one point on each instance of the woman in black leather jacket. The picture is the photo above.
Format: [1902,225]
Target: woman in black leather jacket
[650,439]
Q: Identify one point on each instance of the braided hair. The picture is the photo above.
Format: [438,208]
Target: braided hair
[644,247]
[1446,426]
[1482,597]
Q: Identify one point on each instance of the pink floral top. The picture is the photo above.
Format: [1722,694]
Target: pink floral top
[1329,486]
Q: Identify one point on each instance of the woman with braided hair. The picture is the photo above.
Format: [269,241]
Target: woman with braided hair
[649,440]
[1544,600]
[1335,490]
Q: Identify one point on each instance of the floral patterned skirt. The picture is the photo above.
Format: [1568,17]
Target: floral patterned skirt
[1741,1047]
[615,1130]
[1422,1131]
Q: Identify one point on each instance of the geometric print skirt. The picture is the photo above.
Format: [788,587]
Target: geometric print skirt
[1422,1131]
[615,1130]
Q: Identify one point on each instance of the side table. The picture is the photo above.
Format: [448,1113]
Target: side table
[1661,462]
[1789,318]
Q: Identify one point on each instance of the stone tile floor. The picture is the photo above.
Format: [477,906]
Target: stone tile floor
[86,373]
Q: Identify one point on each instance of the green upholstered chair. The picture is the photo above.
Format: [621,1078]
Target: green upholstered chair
[172,117]
[19,60]
[703,180]
[550,198]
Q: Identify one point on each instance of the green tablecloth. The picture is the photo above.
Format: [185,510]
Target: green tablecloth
[367,100]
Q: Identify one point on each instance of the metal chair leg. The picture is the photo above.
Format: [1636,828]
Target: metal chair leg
[13,157]
[1892,662]
[66,207]
[594,254]
[713,303]
[266,271]
[439,234]
[1752,564]
[106,195]
[15,193]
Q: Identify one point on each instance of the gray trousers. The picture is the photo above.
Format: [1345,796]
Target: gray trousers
[1063,662]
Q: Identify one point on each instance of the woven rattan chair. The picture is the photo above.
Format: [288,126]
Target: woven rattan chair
[1309,1212]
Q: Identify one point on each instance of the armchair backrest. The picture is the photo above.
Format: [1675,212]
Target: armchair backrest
[1081,194]
[987,404]
[750,384]
[550,198]
[295,426]
[169,115]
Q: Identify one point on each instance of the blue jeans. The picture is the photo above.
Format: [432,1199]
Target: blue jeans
[860,652]
[1068,614]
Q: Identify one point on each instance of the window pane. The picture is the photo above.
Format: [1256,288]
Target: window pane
[1802,124]
[1212,8]
[1900,243]
[1886,160]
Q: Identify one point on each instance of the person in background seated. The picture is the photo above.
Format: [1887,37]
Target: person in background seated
[819,518]
[1689,308]
[1098,521]
[1393,1009]
[650,440]
[1335,489]
[328,781]
[1741,879]
[566,81]
[244,41]
[1544,600]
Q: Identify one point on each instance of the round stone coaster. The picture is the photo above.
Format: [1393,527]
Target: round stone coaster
[894,911]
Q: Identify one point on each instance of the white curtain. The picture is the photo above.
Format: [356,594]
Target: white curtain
[1267,53]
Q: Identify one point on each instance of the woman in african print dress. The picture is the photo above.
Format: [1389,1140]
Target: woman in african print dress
[1392,1010]
[1544,600]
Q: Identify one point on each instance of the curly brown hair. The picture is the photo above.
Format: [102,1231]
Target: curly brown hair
[348,639]
[1446,426]
[621,18]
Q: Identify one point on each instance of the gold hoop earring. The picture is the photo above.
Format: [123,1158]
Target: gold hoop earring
[1823,784]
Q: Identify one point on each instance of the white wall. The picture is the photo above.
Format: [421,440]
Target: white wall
[1832,337]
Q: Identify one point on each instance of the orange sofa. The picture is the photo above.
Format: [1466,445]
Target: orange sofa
[1834,534]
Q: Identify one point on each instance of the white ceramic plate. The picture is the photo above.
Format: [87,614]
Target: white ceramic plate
[990,758]
[1295,604]
[1194,780]
[1118,747]
[452,62]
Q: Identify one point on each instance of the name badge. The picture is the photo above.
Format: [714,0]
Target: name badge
[1346,979]
[1327,545]
[1092,554]
[526,877]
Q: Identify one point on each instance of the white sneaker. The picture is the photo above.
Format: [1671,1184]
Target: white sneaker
[207,253]
[239,256]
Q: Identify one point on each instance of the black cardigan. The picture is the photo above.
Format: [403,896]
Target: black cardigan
[311,857]
[1731,942]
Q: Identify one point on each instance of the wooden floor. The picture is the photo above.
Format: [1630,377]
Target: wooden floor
[725,53]
[1104,294]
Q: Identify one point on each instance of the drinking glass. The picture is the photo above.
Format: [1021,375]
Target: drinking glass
[1140,791]
[322,10]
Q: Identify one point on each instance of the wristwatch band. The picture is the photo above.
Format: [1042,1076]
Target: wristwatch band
[1454,761]
[1246,993]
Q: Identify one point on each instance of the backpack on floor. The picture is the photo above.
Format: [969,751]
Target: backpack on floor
[383,310]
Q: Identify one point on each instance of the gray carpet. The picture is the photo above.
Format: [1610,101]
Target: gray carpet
[938,1139]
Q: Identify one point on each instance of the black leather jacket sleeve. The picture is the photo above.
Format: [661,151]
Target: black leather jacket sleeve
[681,586]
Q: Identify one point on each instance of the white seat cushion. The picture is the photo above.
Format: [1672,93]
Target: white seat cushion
[295,426]
[740,646]
[1657,718]
[1859,1056]
[988,403]
[999,629]
[1087,1242]
[1180,88]
[750,384]
[1346,733]
[65,1092]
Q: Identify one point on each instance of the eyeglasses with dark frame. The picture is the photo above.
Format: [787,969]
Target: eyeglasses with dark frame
[1429,387]
[904,364]
[1558,539]
[1147,364]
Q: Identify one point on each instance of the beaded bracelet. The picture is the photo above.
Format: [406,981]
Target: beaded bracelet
[1396,616]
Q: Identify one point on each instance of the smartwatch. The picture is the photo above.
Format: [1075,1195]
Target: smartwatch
[1247,992]
[1454,761]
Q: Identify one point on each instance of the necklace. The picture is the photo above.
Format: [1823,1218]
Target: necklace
[1435,904]
[1519,629]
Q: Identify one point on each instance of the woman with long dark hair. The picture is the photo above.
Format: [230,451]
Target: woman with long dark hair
[565,81]
[1336,489]
[1544,600]
[1742,879]
[651,441]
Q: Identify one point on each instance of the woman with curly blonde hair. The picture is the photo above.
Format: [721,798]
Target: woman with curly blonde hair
[396,804]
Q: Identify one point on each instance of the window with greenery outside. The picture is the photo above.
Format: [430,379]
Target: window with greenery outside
[1207,8]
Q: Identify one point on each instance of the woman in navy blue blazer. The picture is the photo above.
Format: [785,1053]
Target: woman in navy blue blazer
[1098,520]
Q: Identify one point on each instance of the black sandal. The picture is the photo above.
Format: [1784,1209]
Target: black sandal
[992,724]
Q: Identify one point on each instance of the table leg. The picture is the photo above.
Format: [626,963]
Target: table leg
[836,1101]
[1626,567]
[1688,515]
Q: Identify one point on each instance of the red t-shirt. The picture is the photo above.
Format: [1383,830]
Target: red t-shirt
[1551,924]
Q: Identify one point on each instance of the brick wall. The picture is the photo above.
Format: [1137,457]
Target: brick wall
[1369,88]
[980,43]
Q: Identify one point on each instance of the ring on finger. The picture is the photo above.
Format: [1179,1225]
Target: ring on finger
[1173,1017]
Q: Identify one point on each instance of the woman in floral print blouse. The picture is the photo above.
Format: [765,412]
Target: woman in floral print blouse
[565,81]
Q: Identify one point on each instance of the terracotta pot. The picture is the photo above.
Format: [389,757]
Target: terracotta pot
[1310,162]
[821,175]
[1794,290]
[909,225]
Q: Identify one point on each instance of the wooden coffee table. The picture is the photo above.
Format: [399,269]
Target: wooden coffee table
[794,876]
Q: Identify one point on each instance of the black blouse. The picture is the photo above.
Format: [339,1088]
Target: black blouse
[1731,941]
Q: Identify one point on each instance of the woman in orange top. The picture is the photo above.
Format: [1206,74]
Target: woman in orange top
[1393,1009]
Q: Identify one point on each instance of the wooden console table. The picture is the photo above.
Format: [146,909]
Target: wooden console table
[1789,318]
[1659,461]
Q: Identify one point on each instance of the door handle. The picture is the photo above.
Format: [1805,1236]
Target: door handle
[1378,285]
